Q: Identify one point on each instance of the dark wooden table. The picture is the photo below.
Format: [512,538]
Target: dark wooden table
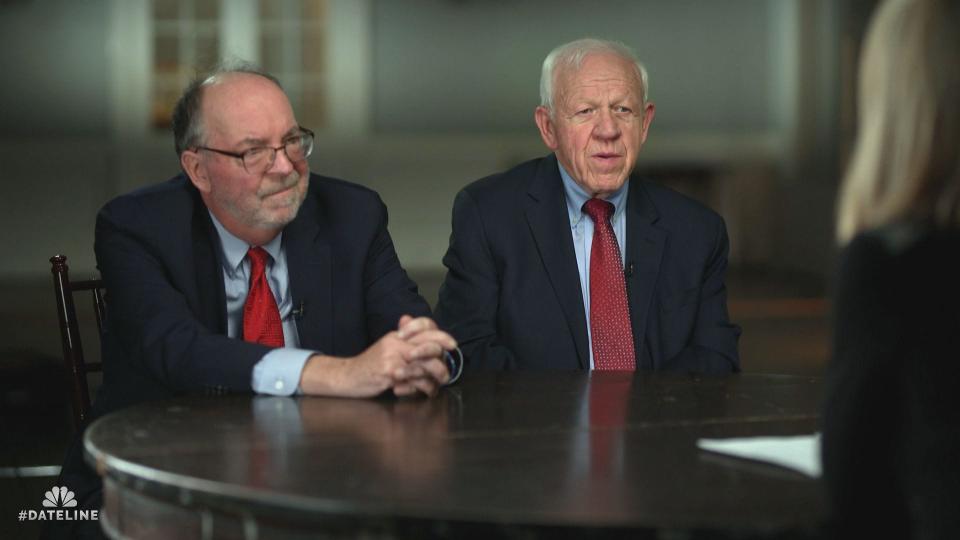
[521,455]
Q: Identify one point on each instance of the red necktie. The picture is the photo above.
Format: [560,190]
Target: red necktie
[610,329]
[261,318]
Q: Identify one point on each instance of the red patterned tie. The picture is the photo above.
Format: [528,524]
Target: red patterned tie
[261,318]
[610,329]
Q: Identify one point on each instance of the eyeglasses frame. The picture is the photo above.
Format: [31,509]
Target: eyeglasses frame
[240,155]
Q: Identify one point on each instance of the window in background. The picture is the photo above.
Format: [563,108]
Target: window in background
[288,38]
[293,47]
[186,40]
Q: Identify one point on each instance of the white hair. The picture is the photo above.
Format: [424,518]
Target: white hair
[571,55]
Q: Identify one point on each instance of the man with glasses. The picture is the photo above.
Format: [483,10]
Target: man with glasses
[247,272]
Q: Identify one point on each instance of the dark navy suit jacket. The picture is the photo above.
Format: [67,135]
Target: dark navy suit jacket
[512,294]
[157,251]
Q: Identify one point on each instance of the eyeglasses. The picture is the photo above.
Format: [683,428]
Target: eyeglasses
[259,159]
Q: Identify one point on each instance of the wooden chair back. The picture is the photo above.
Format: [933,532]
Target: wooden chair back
[76,365]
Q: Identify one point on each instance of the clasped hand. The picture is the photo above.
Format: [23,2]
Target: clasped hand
[421,346]
[407,360]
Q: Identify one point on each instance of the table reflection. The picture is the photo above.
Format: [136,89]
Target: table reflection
[406,440]
[528,449]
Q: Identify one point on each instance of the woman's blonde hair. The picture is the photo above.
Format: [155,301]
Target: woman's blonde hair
[906,162]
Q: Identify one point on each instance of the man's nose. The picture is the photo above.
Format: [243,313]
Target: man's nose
[606,127]
[281,163]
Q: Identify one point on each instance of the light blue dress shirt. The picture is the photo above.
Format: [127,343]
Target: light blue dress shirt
[278,372]
[581,227]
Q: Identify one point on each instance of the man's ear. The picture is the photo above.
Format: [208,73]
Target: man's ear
[648,112]
[546,126]
[193,166]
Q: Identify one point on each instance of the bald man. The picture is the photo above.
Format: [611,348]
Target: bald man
[248,273]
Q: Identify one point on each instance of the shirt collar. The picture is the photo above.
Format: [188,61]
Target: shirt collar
[234,249]
[577,197]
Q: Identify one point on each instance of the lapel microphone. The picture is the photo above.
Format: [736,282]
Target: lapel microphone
[298,311]
[628,271]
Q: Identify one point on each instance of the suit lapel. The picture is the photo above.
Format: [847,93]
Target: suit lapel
[309,263]
[546,212]
[212,303]
[645,244]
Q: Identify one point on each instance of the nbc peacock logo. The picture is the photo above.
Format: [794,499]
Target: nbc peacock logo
[59,497]
[60,504]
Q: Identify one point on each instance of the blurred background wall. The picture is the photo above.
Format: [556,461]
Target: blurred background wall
[416,98]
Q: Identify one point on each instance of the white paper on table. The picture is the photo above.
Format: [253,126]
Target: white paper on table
[800,453]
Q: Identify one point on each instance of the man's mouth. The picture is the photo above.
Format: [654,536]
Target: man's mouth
[287,186]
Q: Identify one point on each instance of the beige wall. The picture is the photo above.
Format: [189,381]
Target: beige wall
[758,108]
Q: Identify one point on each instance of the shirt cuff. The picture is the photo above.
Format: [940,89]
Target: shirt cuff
[278,372]
[454,364]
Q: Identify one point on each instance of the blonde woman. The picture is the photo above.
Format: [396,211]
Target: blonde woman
[891,422]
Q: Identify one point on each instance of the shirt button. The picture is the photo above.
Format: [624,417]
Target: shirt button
[278,385]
